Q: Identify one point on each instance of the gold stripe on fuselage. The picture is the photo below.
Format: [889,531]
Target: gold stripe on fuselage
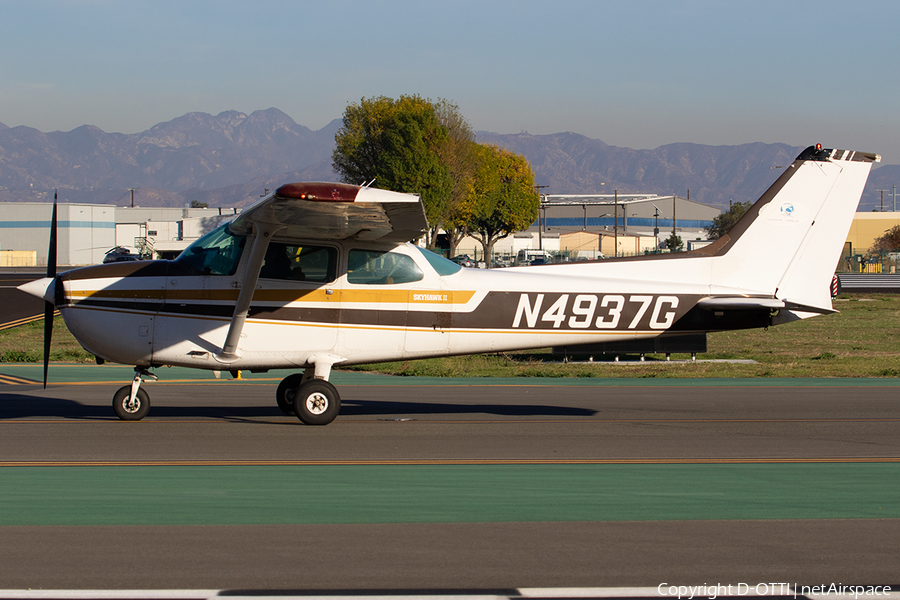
[377,296]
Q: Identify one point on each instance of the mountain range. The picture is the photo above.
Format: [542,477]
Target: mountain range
[231,159]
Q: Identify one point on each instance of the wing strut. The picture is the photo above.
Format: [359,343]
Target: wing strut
[264,233]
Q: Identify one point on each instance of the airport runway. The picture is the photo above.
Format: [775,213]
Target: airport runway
[423,485]
[17,308]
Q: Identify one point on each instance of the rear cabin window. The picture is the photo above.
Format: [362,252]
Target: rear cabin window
[317,264]
[373,267]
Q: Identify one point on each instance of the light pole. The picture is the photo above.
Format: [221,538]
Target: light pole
[132,196]
[656,226]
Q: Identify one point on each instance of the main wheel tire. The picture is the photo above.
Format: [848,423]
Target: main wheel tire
[316,402]
[284,395]
[135,412]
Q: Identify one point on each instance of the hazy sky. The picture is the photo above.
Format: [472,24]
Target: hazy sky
[631,73]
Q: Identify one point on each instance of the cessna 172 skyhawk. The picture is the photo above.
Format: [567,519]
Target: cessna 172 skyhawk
[321,274]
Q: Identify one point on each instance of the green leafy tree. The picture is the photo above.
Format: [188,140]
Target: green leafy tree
[725,221]
[889,242]
[400,144]
[674,243]
[503,199]
[460,156]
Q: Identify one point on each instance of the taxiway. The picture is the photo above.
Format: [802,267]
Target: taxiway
[451,486]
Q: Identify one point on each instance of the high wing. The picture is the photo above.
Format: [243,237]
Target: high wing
[318,211]
[335,211]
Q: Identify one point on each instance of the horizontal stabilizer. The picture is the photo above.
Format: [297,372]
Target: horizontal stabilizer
[747,303]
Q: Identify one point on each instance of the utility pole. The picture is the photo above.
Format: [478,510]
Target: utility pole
[616,224]
[656,227]
[541,197]
[882,198]
[674,201]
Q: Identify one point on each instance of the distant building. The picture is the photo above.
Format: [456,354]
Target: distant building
[625,224]
[869,226]
[165,232]
[634,214]
[86,232]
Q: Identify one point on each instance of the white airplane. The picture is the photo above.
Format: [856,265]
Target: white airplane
[322,274]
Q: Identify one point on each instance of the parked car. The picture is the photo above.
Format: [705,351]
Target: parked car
[463,260]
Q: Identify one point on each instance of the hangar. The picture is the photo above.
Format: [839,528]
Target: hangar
[88,231]
[585,226]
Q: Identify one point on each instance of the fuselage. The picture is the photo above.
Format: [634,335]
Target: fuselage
[312,275]
[366,303]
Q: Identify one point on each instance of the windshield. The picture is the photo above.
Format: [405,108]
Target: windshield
[376,267]
[439,263]
[216,253]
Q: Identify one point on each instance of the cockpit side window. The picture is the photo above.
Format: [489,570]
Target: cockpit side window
[216,253]
[300,263]
[374,267]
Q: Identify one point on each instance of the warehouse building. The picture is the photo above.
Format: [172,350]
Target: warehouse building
[86,232]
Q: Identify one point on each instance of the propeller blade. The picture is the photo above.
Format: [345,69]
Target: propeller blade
[51,251]
[48,335]
[49,307]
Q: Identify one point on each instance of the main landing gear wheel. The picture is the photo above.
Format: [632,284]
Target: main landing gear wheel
[284,395]
[316,402]
[131,411]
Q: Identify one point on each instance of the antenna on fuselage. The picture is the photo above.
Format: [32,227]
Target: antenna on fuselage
[365,185]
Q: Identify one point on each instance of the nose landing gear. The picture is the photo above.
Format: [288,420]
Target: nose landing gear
[130,402]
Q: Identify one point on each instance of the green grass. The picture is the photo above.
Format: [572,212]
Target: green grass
[25,344]
[863,340]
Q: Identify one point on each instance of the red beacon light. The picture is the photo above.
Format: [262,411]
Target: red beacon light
[318,192]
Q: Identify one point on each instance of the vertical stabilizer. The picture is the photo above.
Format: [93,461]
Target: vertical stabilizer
[788,244]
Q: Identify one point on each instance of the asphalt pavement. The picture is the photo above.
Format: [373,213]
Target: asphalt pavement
[448,485]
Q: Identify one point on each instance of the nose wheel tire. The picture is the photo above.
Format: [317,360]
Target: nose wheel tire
[131,411]
[316,402]
[284,395]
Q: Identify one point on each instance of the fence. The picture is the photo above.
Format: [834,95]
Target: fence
[869,261]
[18,258]
[501,259]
